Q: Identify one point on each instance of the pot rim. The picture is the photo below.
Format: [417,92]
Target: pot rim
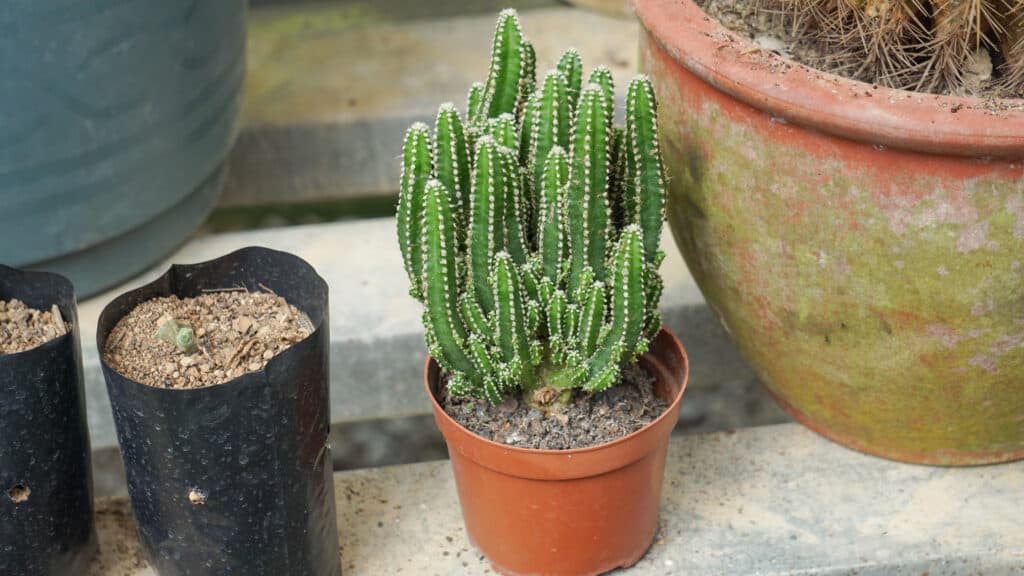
[827,102]
[672,408]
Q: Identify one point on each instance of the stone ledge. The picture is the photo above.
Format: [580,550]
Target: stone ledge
[774,500]
[377,348]
[332,87]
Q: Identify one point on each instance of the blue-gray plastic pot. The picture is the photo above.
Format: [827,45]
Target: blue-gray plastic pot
[115,122]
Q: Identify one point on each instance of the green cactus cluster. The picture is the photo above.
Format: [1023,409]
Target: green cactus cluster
[530,230]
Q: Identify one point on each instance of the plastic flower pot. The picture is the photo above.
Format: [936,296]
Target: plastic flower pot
[234,478]
[46,512]
[862,245]
[566,512]
[115,121]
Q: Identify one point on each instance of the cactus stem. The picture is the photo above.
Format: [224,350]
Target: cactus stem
[529,229]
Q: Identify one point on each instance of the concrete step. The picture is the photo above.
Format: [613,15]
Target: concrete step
[775,500]
[333,86]
[377,349]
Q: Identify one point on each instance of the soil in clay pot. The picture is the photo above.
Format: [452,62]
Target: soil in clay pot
[898,50]
[589,419]
[234,332]
[23,328]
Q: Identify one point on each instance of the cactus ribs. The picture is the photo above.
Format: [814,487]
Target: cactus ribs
[531,231]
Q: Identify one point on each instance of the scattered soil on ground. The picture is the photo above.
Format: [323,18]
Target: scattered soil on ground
[771,34]
[23,328]
[119,551]
[588,420]
[236,331]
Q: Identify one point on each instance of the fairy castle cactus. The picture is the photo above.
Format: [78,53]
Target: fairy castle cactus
[530,231]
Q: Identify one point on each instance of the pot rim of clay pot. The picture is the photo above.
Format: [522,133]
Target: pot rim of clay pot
[576,462]
[920,122]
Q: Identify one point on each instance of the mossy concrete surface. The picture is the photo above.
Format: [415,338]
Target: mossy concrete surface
[879,293]
[333,86]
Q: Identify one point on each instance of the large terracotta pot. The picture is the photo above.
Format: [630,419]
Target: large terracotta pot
[566,512]
[116,119]
[862,245]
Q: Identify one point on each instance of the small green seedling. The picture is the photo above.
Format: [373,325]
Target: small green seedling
[178,333]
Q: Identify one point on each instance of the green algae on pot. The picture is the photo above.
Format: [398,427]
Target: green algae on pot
[862,245]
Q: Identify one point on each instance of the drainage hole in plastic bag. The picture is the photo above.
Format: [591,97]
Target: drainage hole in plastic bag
[197,496]
[19,493]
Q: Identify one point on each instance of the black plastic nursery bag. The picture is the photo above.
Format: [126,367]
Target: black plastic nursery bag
[233,479]
[46,513]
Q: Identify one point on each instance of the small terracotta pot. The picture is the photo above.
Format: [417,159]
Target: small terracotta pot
[863,246]
[566,512]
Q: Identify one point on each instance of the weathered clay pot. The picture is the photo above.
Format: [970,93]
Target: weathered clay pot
[862,245]
[566,512]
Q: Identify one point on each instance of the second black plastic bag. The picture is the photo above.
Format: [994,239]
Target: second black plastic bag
[233,479]
[46,515]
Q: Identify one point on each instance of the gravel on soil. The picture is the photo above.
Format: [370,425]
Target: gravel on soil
[237,332]
[23,328]
[590,419]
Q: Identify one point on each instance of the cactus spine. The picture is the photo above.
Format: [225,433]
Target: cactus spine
[530,232]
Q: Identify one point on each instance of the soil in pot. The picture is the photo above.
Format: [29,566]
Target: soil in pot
[236,332]
[23,328]
[589,419]
[772,32]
